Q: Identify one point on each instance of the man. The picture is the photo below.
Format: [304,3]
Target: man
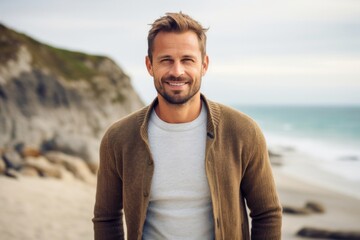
[184,167]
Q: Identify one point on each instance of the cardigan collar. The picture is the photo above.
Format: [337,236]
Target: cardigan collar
[213,117]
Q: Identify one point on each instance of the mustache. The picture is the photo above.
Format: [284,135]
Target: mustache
[173,79]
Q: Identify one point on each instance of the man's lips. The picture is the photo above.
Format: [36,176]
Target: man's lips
[176,81]
[176,84]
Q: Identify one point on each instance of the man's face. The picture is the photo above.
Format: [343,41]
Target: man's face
[177,66]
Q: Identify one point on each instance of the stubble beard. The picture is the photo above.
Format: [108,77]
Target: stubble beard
[175,97]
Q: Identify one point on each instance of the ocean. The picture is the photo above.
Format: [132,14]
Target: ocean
[329,134]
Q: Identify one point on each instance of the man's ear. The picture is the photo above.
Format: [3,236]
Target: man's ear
[149,66]
[205,65]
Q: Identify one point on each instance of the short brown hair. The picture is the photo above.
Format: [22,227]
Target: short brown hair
[176,22]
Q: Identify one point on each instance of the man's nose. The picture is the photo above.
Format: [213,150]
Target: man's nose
[177,69]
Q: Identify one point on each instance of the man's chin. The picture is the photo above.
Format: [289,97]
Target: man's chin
[176,99]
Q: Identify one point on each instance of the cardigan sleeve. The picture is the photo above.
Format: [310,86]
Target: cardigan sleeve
[108,223]
[260,191]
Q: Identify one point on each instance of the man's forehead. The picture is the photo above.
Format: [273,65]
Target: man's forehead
[167,41]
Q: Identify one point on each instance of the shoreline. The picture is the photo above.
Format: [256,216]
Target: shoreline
[317,172]
[300,180]
[46,208]
[341,212]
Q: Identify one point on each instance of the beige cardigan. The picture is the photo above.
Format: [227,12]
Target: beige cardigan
[237,168]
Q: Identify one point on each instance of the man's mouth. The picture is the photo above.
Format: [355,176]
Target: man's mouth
[176,84]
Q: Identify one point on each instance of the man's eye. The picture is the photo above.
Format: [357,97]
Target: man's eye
[166,60]
[188,60]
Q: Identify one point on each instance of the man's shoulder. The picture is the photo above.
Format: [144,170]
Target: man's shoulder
[229,114]
[236,122]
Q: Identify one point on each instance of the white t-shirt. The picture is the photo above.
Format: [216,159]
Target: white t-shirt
[180,203]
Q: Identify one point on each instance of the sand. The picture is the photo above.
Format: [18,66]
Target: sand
[342,212]
[299,181]
[34,209]
[37,208]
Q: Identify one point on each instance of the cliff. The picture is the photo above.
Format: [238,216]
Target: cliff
[55,99]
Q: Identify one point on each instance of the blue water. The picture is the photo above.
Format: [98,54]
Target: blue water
[330,135]
[329,124]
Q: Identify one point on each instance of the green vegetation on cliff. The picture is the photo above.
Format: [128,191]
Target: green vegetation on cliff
[68,64]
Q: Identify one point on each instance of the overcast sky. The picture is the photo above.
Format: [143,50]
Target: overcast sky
[261,52]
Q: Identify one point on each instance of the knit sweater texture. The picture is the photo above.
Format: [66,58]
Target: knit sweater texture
[237,168]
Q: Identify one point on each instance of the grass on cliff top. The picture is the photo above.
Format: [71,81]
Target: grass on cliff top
[69,64]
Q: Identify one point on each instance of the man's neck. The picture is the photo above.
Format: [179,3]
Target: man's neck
[178,113]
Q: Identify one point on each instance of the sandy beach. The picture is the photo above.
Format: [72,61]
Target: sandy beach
[300,181]
[37,208]
[342,212]
[34,209]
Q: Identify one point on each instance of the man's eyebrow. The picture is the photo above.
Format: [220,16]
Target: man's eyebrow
[164,57]
[170,57]
[188,56]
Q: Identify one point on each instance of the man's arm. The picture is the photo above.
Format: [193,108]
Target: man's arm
[260,192]
[107,219]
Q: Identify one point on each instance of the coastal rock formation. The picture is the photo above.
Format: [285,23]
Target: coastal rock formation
[55,99]
[310,232]
[309,208]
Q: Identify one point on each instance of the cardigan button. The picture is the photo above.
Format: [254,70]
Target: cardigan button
[146,194]
[150,163]
[210,135]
